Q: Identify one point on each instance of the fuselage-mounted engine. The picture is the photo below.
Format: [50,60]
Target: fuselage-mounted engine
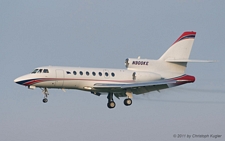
[141,69]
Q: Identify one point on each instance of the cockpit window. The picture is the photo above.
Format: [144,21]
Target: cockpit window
[39,71]
[45,71]
[34,71]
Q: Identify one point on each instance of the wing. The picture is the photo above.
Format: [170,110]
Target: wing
[133,85]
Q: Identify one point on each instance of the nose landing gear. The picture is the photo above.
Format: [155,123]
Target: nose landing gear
[45,92]
[45,100]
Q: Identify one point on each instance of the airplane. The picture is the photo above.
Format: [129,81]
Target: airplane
[140,76]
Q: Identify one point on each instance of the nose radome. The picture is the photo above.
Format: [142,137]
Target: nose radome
[22,80]
[16,80]
[19,80]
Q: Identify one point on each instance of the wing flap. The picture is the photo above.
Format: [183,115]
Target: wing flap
[132,85]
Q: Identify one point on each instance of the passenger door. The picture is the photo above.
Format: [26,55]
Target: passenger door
[59,78]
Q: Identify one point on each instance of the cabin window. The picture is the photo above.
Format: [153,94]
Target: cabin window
[106,74]
[100,74]
[68,72]
[81,73]
[93,73]
[113,74]
[34,71]
[74,72]
[45,71]
[87,73]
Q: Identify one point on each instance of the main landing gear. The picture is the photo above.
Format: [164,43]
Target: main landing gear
[127,102]
[45,92]
[111,104]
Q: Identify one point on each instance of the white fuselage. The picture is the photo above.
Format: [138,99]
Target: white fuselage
[83,78]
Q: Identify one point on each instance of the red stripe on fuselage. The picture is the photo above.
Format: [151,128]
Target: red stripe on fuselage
[32,82]
[39,80]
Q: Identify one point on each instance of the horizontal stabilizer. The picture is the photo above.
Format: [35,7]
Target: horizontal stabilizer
[187,60]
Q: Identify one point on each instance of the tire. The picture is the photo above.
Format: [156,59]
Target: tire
[45,100]
[111,104]
[127,102]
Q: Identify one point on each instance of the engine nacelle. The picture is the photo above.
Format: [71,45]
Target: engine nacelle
[145,76]
[135,63]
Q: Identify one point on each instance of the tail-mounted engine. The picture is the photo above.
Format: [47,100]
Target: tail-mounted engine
[145,76]
[135,63]
[141,68]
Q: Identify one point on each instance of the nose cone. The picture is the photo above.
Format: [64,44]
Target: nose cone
[22,80]
[19,80]
[27,80]
[16,80]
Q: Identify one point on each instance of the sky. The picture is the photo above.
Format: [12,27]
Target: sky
[99,33]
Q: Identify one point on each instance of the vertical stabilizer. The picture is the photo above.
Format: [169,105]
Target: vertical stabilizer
[179,52]
[181,48]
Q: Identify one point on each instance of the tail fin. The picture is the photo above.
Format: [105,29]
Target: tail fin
[181,48]
[173,62]
[177,56]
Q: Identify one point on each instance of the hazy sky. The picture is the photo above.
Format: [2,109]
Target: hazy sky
[91,33]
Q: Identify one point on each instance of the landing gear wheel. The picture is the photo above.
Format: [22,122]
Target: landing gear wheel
[45,100]
[45,92]
[111,104]
[127,102]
